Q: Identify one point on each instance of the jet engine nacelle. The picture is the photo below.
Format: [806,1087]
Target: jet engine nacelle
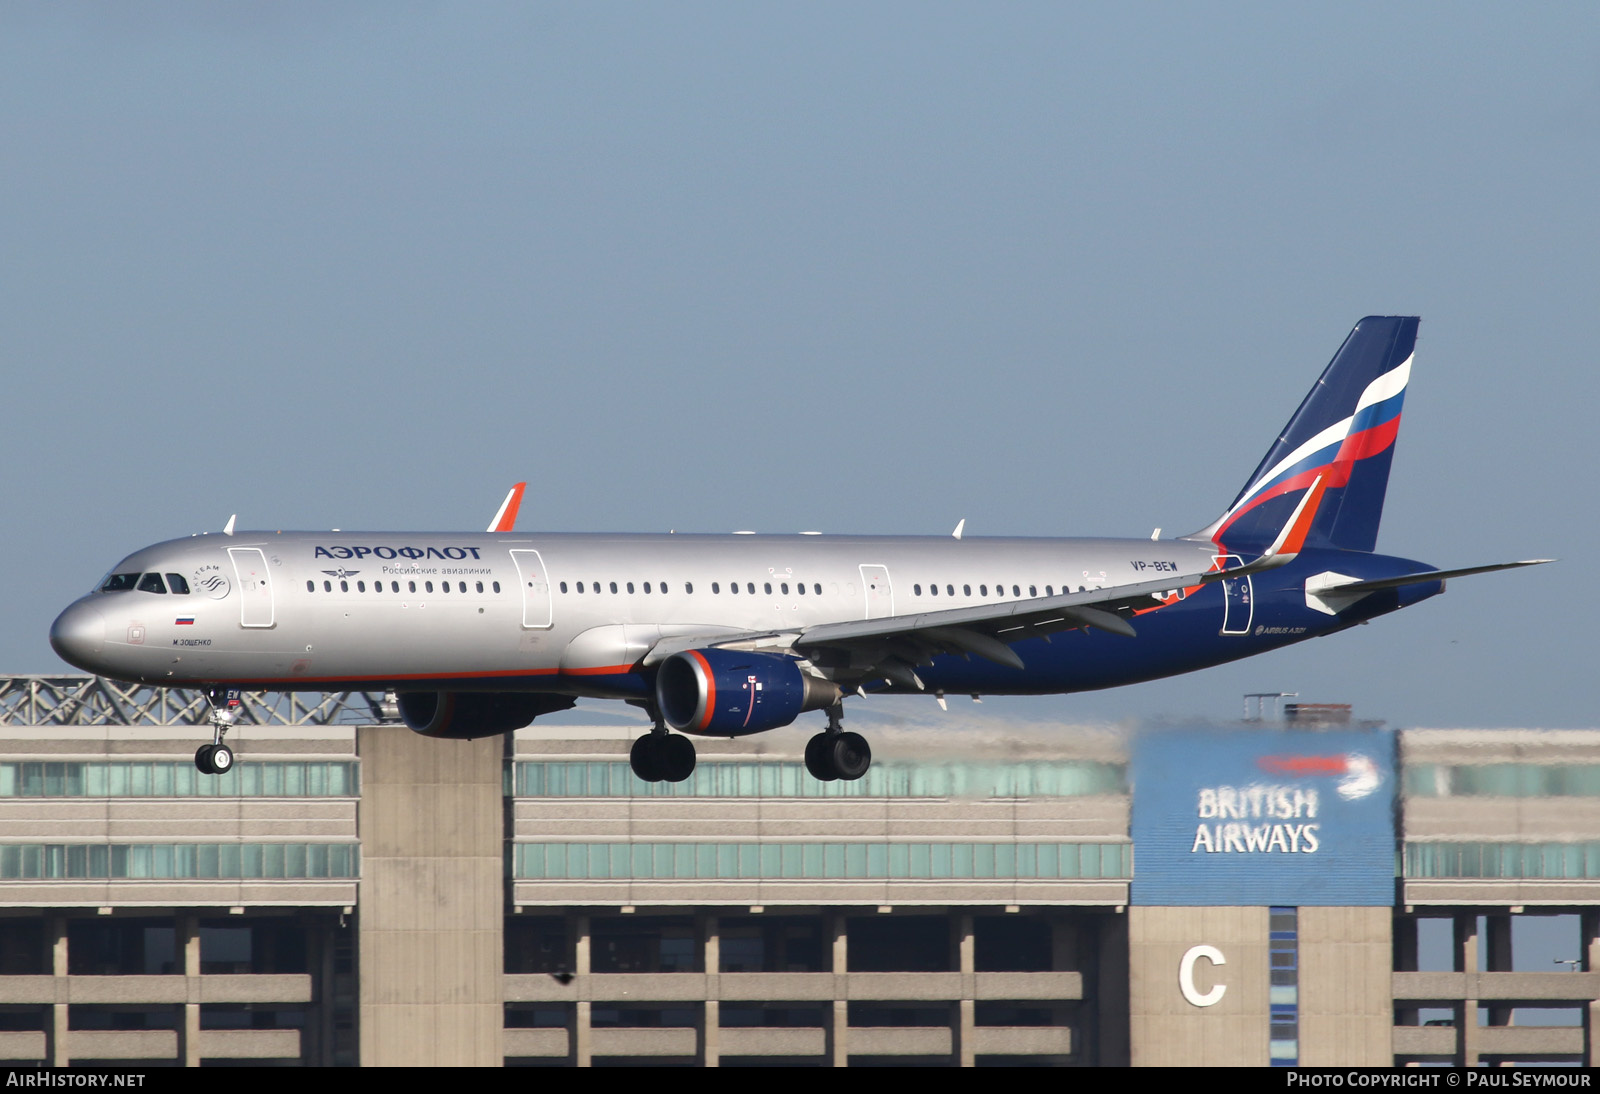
[465,715]
[733,692]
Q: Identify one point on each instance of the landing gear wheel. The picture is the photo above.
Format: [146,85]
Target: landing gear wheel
[645,759]
[849,755]
[662,757]
[216,758]
[675,755]
[817,762]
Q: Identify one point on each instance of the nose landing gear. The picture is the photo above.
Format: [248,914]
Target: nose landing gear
[216,758]
[836,753]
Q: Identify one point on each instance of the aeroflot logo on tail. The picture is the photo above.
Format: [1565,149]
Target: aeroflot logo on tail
[341,551]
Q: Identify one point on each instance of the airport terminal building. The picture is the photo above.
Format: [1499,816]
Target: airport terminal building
[1313,892]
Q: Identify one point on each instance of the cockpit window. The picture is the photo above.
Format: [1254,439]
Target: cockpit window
[151,583]
[118,583]
[177,584]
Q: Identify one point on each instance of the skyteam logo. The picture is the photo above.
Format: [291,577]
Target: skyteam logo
[209,580]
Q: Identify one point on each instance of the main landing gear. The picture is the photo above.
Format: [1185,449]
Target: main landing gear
[836,753]
[660,756]
[216,758]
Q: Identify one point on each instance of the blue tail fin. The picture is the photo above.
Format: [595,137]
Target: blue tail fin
[1343,434]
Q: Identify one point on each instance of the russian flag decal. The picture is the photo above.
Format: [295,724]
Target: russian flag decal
[184,621]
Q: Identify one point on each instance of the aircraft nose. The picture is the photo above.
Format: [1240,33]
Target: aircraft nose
[79,635]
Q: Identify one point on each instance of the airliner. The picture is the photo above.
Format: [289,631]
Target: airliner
[726,635]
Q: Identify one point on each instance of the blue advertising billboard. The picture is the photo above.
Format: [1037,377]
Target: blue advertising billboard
[1263,817]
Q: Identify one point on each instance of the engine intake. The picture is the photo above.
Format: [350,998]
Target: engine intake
[734,692]
[465,715]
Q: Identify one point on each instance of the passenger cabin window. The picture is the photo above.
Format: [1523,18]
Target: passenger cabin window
[394,586]
[151,583]
[327,586]
[563,586]
[311,586]
[750,587]
[966,590]
[120,583]
[496,586]
[688,586]
[480,587]
[767,588]
[715,588]
[613,586]
[647,588]
[344,586]
[413,585]
[361,586]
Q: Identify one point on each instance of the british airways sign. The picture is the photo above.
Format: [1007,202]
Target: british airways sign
[1248,816]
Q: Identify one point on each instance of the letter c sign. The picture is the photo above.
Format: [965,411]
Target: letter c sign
[1186,976]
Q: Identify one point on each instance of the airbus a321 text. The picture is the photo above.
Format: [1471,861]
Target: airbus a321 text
[725,635]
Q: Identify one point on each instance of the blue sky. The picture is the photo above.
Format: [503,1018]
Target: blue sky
[1055,269]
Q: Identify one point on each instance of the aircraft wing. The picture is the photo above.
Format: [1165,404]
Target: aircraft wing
[893,646]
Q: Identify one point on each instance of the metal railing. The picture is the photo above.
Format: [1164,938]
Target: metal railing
[96,701]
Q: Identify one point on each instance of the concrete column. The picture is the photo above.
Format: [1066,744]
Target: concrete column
[1590,942]
[1466,960]
[711,1014]
[1066,955]
[839,1025]
[582,1047]
[1405,960]
[1497,946]
[58,1010]
[189,948]
[321,963]
[1108,994]
[966,1007]
[432,900]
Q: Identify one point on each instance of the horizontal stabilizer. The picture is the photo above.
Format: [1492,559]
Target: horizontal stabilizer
[1431,575]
